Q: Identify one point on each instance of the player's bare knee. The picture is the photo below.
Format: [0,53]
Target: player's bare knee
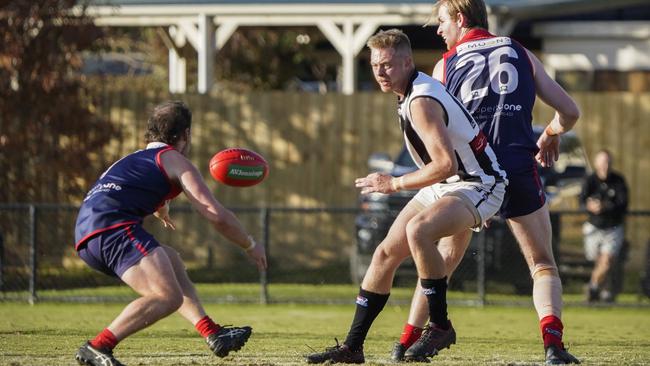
[173,300]
[416,232]
[385,257]
[171,295]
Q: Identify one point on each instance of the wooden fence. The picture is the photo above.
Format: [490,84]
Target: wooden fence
[318,144]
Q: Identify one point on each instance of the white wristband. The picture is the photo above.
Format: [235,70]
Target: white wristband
[397,183]
[252,245]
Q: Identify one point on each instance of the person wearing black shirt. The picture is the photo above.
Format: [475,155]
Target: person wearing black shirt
[605,197]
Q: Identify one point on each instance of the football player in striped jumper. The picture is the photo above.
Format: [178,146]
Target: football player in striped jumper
[110,238]
[497,79]
[460,182]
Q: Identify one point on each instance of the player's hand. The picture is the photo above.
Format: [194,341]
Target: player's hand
[549,149]
[258,255]
[163,215]
[375,182]
[594,206]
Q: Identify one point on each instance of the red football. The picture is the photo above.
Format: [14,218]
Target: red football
[238,167]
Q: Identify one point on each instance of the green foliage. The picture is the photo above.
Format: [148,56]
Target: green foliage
[254,58]
[269,58]
[48,132]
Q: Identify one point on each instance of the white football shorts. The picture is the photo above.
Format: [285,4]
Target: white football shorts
[484,200]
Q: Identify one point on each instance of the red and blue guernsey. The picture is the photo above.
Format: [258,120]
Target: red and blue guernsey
[132,188]
[493,77]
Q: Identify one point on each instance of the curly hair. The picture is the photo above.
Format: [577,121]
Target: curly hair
[168,122]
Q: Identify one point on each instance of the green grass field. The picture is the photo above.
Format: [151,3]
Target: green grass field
[49,333]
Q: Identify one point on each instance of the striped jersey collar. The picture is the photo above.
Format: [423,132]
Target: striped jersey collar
[472,35]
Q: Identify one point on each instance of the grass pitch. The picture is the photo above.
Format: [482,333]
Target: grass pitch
[50,333]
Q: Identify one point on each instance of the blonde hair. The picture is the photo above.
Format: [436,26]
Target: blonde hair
[474,11]
[392,38]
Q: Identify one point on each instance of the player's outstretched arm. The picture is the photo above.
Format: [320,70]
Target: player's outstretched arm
[551,93]
[180,169]
[566,113]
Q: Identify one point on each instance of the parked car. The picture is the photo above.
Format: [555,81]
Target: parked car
[503,261]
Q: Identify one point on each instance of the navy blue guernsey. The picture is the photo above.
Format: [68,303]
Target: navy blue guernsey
[132,188]
[493,77]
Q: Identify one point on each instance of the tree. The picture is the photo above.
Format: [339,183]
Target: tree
[254,58]
[48,131]
[268,58]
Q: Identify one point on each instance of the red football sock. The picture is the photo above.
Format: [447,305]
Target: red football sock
[551,327]
[410,335]
[105,339]
[206,326]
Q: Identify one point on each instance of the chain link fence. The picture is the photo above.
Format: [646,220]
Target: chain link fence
[313,246]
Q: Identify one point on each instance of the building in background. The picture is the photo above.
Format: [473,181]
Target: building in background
[587,44]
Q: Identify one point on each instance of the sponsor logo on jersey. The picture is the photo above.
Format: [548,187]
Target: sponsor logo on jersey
[362,301]
[488,112]
[103,187]
[479,143]
[482,44]
[500,108]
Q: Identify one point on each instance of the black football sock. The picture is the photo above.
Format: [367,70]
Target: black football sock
[436,293]
[369,305]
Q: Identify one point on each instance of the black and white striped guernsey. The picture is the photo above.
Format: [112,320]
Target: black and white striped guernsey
[476,159]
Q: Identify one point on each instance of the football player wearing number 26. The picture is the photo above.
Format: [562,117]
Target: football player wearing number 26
[497,79]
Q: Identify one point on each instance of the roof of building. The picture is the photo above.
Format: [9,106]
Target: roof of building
[520,9]
[346,24]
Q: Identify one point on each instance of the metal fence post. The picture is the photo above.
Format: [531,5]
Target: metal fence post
[32,254]
[265,222]
[481,268]
[2,262]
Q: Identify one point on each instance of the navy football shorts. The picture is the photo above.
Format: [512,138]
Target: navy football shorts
[524,193]
[114,251]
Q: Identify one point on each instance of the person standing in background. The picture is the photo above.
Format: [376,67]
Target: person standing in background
[605,197]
